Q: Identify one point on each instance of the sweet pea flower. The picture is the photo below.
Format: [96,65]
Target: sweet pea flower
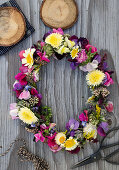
[21,77]
[24,95]
[14,111]
[109,106]
[108,80]
[17,86]
[93,49]
[72,124]
[52,143]
[73,65]
[43,56]
[59,30]
[102,128]
[84,117]
[34,91]
[90,66]
[21,54]
[39,136]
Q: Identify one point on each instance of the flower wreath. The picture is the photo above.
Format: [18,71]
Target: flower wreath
[37,118]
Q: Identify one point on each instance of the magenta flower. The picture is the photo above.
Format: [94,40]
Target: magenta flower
[93,49]
[102,128]
[82,56]
[43,56]
[59,30]
[21,77]
[108,80]
[21,54]
[24,95]
[109,106]
[84,117]
[34,91]
[39,136]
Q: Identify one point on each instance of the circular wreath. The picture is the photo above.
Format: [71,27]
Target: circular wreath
[37,118]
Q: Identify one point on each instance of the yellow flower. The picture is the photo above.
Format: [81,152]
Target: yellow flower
[90,99]
[60,138]
[98,110]
[95,77]
[70,144]
[69,43]
[63,49]
[74,52]
[27,116]
[54,39]
[28,57]
[89,131]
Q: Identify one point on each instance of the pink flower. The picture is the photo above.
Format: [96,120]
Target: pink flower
[42,44]
[109,106]
[21,77]
[84,117]
[52,144]
[39,136]
[23,69]
[108,80]
[24,95]
[14,111]
[21,54]
[82,56]
[59,30]
[43,56]
[93,49]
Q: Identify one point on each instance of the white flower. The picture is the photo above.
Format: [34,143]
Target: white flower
[90,131]
[70,43]
[90,66]
[63,50]
[60,138]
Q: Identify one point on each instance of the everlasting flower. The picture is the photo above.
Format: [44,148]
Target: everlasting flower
[82,56]
[14,111]
[108,80]
[28,57]
[90,131]
[74,52]
[27,116]
[95,78]
[39,136]
[54,39]
[24,95]
[90,66]
[70,144]
[60,138]
[109,106]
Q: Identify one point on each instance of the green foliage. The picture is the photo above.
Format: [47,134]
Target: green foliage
[48,49]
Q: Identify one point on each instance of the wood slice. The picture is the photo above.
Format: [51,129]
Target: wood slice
[59,13]
[12,26]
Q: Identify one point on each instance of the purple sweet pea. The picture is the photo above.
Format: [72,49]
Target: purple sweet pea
[73,65]
[98,58]
[75,39]
[72,133]
[73,124]
[102,128]
[17,86]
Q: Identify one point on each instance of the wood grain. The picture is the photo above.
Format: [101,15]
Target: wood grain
[63,89]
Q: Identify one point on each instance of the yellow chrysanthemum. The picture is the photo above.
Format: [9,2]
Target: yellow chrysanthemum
[63,50]
[60,138]
[89,131]
[74,52]
[70,144]
[27,116]
[95,77]
[54,39]
[28,57]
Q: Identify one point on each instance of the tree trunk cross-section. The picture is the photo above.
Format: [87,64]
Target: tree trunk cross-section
[59,13]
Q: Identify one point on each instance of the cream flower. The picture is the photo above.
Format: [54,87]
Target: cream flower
[28,57]
[69,43]
[54,39]
[70,144]
[60,138]
[63,50]
[90,131]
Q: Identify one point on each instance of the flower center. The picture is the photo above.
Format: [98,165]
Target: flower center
[62,139]
[29,59]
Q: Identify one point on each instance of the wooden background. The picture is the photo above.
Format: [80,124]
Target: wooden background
[62,89]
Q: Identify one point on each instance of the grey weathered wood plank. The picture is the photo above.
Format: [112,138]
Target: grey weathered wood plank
[63,89]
